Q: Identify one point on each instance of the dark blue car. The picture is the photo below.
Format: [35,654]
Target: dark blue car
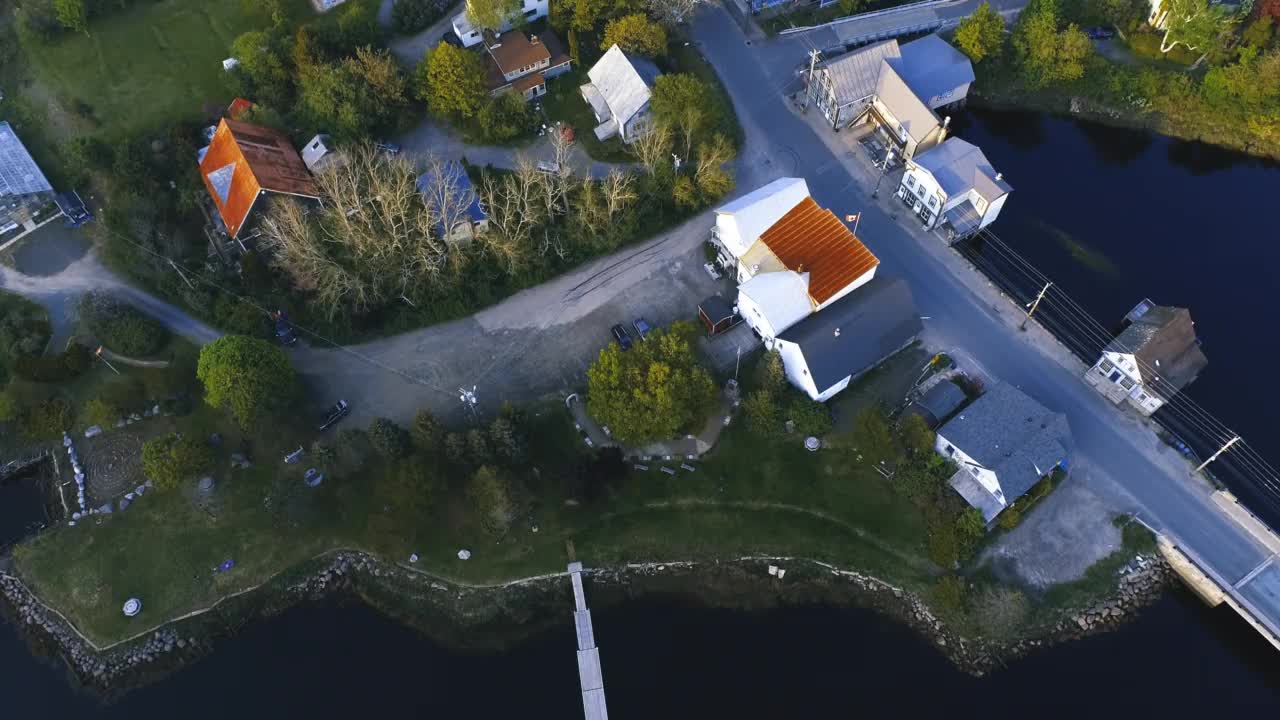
[620,334]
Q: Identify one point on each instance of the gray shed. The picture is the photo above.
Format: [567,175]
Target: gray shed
[938,402]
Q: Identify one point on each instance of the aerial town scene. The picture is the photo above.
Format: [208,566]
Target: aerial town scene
[647,358]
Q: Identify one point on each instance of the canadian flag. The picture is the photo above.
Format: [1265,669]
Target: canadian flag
[852,218]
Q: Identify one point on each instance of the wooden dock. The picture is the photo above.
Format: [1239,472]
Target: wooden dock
[592,681]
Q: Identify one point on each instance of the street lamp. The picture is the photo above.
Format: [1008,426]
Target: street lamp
[884,170]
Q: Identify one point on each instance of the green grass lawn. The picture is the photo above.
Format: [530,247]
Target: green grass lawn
[749,496]
[155,62]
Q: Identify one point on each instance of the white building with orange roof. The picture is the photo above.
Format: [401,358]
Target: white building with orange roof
[799,269]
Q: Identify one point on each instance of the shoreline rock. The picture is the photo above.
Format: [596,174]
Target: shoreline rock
[495,616]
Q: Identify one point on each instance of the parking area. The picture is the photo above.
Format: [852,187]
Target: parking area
[537,342]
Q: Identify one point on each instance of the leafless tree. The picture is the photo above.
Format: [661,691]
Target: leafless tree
[619,192]
[653,148]
[515,206]
[709,173]
[448,202]
[371,239]
[673,12]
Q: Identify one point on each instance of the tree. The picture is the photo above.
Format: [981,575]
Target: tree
[761,413]
[917,439]
[478,447]
[426,431]
[388,439]
[490,494]
[712,179]
[871,434]
[355,96]
[1258,34]
[653,149]
[373,239]
[170,459]
[810,418]
[505,435]
[1196,24]
[981,35]
[505,117]
[652,391]
[493,14]
[412,16]
[970,527]
[1045,54]
[9,407]
[680,100]
[47,419]
[264,65]
[770,373]
[635,34]
[72,14]
[248,376]
[672,12]
[450,81]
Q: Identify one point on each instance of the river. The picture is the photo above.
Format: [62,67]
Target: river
[1114,215]
[1111,215]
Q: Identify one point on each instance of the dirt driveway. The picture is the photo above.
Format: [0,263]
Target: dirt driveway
[536,342]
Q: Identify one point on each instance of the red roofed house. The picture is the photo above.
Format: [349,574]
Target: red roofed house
[244,162]
[798,266]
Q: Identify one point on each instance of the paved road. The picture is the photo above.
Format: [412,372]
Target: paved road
[1140,473]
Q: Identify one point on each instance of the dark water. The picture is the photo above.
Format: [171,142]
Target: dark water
[665,659]
[1146,216]
[1114,215]
[21,507]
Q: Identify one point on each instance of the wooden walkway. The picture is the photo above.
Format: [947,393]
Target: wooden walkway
[593,705]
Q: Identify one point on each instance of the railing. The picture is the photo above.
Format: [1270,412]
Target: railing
[864,16]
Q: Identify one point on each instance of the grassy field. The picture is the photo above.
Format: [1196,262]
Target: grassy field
[152,63]
[748,496]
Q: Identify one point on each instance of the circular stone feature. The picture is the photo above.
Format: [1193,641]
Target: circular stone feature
[132,607]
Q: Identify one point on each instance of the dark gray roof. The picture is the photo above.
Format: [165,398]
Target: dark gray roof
[856,332]
[936,71]
[1164,340]
[939,401]
[1011,434]
[19,174]
[716,308]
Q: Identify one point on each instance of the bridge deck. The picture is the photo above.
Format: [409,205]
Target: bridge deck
[589,674]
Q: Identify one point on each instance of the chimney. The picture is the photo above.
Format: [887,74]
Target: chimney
[946,124]
[999,176]
[533,39]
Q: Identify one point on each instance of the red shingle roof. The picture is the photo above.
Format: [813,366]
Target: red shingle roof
[242,161]
[813,240]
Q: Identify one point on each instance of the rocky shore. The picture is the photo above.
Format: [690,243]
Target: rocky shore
[494,616]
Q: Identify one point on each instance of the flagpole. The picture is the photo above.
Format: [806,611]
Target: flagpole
[855,219]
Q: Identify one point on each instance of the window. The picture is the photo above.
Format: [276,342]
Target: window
[911,181]
[933,201]
[1142,397]
[951,450]
[1105,366]
[1126,383]
[530,13]
[920,191]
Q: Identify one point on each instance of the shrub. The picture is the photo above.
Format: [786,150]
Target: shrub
[54,368]
[1000,611]
[455,448]
[1010,518]
[48,419]
[810,417]
[942,543]
[101,412]
[970,527]
[170,459]
[505,436]
[761,413]
[387,438]
[504,118]
[9,407]
[490,494]
[250,377]
[412,16]
[121,327]
[871,434]
[948,594]
[770,372]
[425,431]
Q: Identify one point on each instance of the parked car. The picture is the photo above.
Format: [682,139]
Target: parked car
[452,38]
[293,457]
[335,413]
[548,166]
[1100,33]
[284,328]
[620,334]
[389,148]
[642,327]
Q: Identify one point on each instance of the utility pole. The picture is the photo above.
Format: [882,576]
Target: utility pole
[1221,450]
[813,64]
[737,363]
[1035,305]
[103,358]
[468,398]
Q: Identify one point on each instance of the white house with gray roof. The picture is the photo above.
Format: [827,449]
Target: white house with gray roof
[954,186]
[619,93]
[827,350]
[24,190]
[1003,444]
[933,72]
[1153,358]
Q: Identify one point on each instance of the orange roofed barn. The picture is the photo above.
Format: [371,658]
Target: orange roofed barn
[813,240]
[243,162]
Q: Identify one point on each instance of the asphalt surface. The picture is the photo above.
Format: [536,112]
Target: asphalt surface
[1140,473]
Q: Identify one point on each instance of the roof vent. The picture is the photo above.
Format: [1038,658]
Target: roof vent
[533,39]
[837,332]
[755,268]
[999,176]
[946,121]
